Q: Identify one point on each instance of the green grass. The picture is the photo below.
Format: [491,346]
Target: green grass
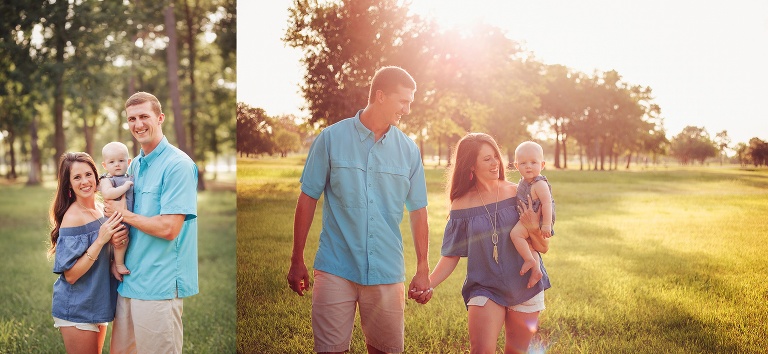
[26,325]
[648,261]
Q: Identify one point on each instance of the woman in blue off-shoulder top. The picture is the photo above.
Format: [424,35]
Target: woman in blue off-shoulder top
[85,294]
[484,208]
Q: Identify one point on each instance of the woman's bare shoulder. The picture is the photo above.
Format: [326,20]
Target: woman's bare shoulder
[73,217]
[508,190]
[463,202]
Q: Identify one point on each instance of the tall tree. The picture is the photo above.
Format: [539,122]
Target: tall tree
[344,43]
[723,141]
[693,144]
[758,152]
[172,61]
[559,105]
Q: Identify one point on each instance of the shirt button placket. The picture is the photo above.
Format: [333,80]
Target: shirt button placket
[371,218]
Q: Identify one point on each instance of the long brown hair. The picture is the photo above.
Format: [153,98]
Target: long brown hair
[65,197]
[464,158]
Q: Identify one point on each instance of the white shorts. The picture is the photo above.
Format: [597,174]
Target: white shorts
[534,304]
[58,322]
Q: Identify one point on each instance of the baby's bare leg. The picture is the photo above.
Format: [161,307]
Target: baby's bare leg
[536,273]
[120,261]
[519,236]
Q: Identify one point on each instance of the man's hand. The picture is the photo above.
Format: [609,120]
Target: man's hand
[120,239]
[298,277]
[420,289]
[112,206]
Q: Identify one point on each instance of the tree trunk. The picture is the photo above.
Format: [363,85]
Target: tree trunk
[11,152]
[564,137]
[557,143]
[35,171]
[191,29]
[87,133]
[172,59]
[629,159]
[58,98]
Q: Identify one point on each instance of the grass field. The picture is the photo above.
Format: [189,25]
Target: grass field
[26,325]
[668,260]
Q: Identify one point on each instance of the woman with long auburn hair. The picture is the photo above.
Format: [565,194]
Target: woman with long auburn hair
[484,208]
[85,293]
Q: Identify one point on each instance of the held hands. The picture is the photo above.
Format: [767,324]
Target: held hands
[110,227]
[420,288]
[298,277]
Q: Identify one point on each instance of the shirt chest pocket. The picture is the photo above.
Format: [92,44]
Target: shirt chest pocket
[348,183]
[147,201]
[395,184]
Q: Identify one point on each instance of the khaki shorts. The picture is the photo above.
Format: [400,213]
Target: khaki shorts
[534,304]
[334,301]
[94,327]
[147,326]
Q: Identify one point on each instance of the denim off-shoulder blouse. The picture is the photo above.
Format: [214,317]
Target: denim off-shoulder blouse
[468,234]
[93,297]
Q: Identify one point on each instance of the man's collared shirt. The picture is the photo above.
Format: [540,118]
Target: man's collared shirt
[365,183]
[165,182]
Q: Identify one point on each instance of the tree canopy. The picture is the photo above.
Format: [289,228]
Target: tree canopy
[67,68]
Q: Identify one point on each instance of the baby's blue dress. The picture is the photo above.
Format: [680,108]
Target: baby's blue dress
[524,190]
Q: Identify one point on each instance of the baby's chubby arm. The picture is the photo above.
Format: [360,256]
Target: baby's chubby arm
[110,192]
[540,189]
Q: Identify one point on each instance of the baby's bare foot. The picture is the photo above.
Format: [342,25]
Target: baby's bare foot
[122,269]
[536,275]
[527,265]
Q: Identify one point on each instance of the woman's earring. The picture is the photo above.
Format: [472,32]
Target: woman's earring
[70,194]
[471,175]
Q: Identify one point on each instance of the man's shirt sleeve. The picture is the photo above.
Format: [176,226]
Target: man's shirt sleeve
[317,169]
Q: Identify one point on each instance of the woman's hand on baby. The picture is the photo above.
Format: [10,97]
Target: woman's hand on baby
[110,227]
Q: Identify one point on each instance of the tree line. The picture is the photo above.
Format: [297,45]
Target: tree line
[67,67]
[477,79]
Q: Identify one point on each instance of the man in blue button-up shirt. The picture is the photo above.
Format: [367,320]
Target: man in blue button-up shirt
[162,245]
[368,170]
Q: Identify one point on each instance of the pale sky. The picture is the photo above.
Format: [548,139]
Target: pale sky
[707,62]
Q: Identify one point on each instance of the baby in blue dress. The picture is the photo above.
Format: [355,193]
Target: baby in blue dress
[115,161]
[529,161]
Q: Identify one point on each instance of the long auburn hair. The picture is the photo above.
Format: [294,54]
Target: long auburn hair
[464,158]
[64,196]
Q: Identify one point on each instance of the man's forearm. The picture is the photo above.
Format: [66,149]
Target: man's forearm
[165,226]
[420,230]
[302,221]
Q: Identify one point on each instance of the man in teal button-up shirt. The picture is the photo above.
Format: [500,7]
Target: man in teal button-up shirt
[368,170]
[162,245]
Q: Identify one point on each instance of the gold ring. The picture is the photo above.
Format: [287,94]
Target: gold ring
[123,242]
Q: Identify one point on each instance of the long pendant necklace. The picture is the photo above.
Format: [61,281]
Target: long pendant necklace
[495,234]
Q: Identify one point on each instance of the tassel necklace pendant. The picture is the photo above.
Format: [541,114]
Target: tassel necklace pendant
[493,220]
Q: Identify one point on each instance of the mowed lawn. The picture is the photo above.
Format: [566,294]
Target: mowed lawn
[666,260]
[27,280]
